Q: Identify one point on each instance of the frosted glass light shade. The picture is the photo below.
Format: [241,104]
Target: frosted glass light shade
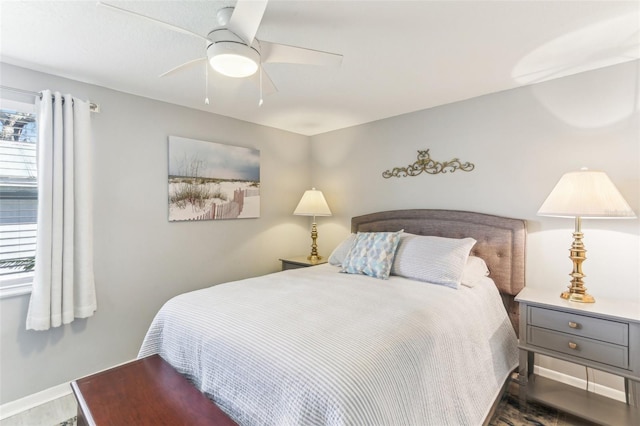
[233,59]
[312,203]
[587,194]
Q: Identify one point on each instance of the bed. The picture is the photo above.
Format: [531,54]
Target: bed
[320,347]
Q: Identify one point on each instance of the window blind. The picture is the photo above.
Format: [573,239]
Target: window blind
[18,187]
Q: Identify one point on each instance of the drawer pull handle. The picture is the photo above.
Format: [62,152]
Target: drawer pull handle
[573,324]
[573,345]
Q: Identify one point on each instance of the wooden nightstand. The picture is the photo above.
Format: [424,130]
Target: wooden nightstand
[300,262]
[604,335]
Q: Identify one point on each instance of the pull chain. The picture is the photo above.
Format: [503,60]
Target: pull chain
[260,102]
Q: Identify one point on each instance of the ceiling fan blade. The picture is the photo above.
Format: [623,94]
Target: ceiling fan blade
[184,66]
[246,18]
[274,52]
[267,84]
[156,21]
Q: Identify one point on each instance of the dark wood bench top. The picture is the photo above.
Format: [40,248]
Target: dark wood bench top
[147,391]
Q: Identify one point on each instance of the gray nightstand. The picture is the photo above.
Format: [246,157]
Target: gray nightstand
[604,335]
[300,262]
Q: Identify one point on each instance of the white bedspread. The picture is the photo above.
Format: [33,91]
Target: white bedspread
[313,346]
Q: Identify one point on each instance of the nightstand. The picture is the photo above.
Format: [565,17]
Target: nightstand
[604,335]
[300,262]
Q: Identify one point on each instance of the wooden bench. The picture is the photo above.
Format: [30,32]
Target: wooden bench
[147,391]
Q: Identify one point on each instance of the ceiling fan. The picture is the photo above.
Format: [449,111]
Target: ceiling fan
[232,49]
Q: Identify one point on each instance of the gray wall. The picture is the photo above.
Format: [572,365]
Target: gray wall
[521,142]
[141,260]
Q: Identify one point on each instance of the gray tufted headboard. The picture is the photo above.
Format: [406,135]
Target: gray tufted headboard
[500,241]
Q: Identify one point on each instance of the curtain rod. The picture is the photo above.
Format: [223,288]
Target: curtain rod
[92,107]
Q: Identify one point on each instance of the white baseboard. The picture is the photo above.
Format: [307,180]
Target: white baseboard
[18,406]
[30,401]
[580,383]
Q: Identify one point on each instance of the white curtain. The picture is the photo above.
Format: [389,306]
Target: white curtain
[63,285]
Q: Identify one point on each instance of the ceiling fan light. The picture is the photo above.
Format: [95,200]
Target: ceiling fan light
[233,65]
[233,59]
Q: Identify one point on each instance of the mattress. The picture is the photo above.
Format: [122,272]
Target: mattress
[314,346]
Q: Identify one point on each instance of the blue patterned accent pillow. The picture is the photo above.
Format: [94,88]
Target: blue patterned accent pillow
[372,254]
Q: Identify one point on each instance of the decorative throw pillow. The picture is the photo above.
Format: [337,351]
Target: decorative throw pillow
[474,269]
[372,254]
[431,259]
[339,253]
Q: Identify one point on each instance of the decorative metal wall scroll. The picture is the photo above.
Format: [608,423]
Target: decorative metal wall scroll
[427,165]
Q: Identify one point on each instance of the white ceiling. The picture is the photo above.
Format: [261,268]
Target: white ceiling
[399,56]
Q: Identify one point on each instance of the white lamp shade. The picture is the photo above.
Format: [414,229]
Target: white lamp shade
[312,204]
[587,194]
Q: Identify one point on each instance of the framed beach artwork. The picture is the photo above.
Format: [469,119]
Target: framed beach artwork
[211,181]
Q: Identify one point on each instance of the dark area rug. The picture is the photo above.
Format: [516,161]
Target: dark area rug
[510,413]
[73,421]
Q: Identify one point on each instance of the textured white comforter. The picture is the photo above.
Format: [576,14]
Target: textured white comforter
[313,346]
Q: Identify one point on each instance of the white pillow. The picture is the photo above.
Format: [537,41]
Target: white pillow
[436,260]
[474,269]
[339,253]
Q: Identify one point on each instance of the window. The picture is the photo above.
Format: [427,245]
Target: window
[18,196]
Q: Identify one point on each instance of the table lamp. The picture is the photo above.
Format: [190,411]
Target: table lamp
[584,194]
[313,204]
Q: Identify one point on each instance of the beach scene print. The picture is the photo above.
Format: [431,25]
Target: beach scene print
[212,181]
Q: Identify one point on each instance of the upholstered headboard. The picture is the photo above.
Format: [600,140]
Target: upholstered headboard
[500,241]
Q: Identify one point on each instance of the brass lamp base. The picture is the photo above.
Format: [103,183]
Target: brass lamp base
[314,256]
[577,297]
[577,291]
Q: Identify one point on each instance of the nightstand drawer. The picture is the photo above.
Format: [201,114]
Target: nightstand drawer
[580,325]
[589,349]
